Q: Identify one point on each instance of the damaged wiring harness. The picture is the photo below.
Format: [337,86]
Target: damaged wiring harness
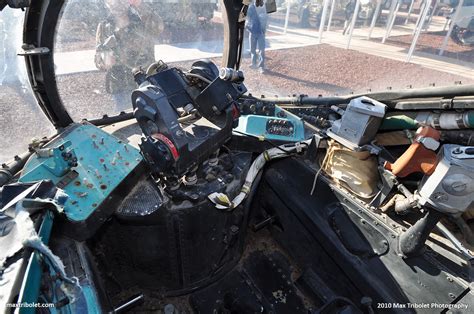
[222,201]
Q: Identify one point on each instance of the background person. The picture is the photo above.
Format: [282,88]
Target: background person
[122,43]
[256,26]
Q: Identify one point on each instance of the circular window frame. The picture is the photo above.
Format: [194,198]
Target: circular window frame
[41,21]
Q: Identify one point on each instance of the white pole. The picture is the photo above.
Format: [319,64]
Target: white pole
[409,11]
[418,31]
[430,19]
[333,4]
[374,18]
[455,17]
[323,20]
[422,9]
[354,18]
[287,17]
[392,21]
[445,24]
[390,16]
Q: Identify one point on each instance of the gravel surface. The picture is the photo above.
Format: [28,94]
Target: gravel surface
[20,121]
[323,69]
[432,42]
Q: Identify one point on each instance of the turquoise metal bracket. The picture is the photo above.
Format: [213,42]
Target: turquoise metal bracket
[255,125]
[57,160]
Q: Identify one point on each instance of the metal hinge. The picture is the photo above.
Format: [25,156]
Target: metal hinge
[31,51]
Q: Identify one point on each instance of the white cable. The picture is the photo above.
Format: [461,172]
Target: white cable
[222,201]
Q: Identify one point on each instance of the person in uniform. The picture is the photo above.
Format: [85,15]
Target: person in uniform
[154,23]
[122,43]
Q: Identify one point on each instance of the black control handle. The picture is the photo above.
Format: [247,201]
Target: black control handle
[412,241]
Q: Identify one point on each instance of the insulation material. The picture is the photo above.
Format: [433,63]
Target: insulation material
[21,233]
[356,171]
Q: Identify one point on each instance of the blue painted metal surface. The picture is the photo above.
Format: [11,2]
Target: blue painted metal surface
[256,125]
[103,161]
[89,304]
[29,291]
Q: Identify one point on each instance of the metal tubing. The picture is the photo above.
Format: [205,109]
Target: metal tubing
[10,169]
[389,97]
[287,17]
[354,18]
[431,15]
[374,18]
[393,5]
[418,32]
[458,245]
[333,4]
[127,305]
[409,11]
[456,14]
[323,20]
[422,9]
[392,22]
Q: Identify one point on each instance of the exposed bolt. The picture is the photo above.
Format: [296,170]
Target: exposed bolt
[458,150]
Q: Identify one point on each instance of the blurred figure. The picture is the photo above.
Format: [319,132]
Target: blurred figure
[256,26]
[10,42]
[122,43]
[13,75]
[153,22]
[348,14]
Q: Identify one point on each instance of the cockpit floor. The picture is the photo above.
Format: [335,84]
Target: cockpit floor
[265,279]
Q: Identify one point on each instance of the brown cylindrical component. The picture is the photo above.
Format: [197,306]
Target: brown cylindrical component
[417,158]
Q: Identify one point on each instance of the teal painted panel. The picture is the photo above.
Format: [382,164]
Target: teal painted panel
[103,161]
[257,125]
[29,291]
